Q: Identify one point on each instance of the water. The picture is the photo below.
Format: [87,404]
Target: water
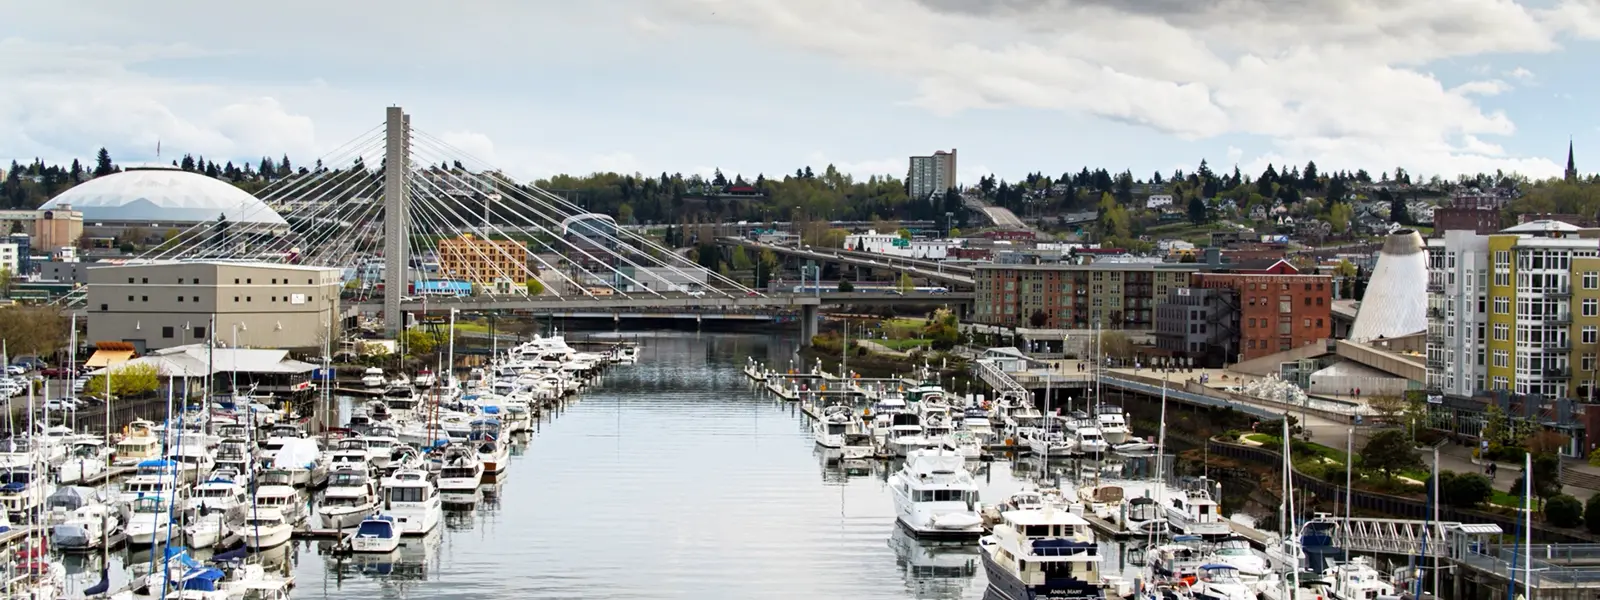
[672,479]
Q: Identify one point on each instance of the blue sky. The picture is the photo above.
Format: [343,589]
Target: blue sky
[542,87]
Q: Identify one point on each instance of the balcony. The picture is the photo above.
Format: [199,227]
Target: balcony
[1435,286]
[1557,373]
[1435,314]
[1563,319]
[1435,336]
[1556,348]
[1560,291]
[1435,364]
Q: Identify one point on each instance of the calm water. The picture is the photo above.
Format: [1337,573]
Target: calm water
[671,479]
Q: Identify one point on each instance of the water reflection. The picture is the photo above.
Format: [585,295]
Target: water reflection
[935,571]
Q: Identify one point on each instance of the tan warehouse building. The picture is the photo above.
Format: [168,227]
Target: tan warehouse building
[160,305]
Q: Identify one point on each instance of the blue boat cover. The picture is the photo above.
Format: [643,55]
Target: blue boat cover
[156,462]
[201,579]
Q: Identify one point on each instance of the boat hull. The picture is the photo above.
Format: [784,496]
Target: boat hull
[1010,587]
[937,534]
[345,518]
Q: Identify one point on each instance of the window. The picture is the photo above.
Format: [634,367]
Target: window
[1591,307]
[1285,303]
[1588,361]
[247,299]
[235,298]
[130,298]
[180,280]
[236,281]
[1502,305]
[1307,323]
[1319,323]
[104,308]
[1319,300]
[144,298]
[1590,334]
[1591,280]
[308,281]
[1308,298]
[180,298]
[194,298]
[1502,332]
[1502,359]
[274,281]
[1008,284]
[166,332]
[199,333]
[130,280]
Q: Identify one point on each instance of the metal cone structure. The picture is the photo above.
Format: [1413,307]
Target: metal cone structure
[1396,300]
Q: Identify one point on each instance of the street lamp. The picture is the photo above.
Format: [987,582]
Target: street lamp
[234,377]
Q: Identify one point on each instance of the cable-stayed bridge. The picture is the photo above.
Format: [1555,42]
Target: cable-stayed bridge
[406,214]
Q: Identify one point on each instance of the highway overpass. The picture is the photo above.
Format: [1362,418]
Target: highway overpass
[930,270]
[677,302]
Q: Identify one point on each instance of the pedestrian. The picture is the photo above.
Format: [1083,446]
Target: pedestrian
[1493,467]
[1358,392]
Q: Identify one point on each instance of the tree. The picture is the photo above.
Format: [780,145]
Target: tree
[955,232]
[766,267]
[127,381]
[1591,513]
[741,259]
[1197,210]
[1115,344]
[535,287]
[1564,511]
[906,285]
[1388,452]
[419,342]
[943,329]
[1546,442]
[102,163]
[1038,318]
[845,286]
[5,282]
[905,234]
[16,227]
[1339,217]
[1464,490]
[33,330]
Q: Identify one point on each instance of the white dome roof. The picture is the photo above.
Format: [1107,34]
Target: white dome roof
[163,195]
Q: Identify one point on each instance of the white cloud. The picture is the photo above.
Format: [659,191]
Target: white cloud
[1520,73]
[1491,87]
[643,24]
[894,166]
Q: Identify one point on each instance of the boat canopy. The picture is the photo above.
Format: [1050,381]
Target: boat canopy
[69,498]
[296,453]
[381,527]
[201,579]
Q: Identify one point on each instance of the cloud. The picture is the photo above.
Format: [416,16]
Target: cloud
[643,24]
[1194,70]
[895,167]
[1520,73]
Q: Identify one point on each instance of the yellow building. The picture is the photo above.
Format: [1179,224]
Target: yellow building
[484,262]
[1543,306]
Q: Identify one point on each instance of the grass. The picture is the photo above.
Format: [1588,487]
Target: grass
[1499,498]
[904,344]
[472,327]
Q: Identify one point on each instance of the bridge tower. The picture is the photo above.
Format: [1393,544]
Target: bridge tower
[396,228]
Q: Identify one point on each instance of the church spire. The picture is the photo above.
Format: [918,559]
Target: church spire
[1572,166]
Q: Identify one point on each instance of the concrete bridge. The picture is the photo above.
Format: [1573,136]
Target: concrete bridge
[930,270]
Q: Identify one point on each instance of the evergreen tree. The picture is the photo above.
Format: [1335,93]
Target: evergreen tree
[77,171]
[1197,210]
[102,163]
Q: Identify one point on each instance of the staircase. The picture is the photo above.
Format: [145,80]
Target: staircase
[1580,479]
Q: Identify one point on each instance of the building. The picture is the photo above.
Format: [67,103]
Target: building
[160,305]
[1395,302]
[591,241]
[1199,324]
[484,262]
[1479,220]
[157,199]
[50,229]
[931,175]
[1156,201]
[1458,312]
[630,279]
[1066,296]
[1278,310]
[8,259]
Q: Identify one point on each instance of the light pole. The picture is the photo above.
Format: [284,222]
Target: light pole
[234,375]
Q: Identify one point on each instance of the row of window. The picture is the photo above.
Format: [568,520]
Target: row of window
[170,332]
[247,281]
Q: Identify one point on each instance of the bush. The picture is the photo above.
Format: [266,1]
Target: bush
[1563,511]
[1465,490]
[1591,513]
[1231,435]
[127,381]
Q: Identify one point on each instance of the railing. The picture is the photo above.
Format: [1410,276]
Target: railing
[1560,319]
[1563,291]
[1435,287]
[1558,372]
[997,378]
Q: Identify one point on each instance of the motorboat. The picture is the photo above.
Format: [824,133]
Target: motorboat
[964,444]
[373,378]
[194,462]
[1048,443]
[413,500]
[1217,581]
[150,521]
[264,528]
[139,443]
[302,459]
[86,459]
[1134,447]
[424,379]
[829,429]
[460,474]
[275,494]
[22,491]
[208,529]
[1113,424]
[856,446]
[400,381]
[1357,580]
[375,535]
[153,477]
[349,458]
[1042,553]
[1252,567]
[404,457]
[1194,512]
[89,527]
[493,453]
[935,496]
[381,440]
[1141,515]
[350,498]
[1180,558]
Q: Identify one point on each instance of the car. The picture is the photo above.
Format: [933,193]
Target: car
[16,370]
[697,294]
[53,372]
[62,404]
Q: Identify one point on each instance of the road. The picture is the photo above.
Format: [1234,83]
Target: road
[1004,218]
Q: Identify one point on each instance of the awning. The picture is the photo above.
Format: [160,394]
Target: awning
[106,358]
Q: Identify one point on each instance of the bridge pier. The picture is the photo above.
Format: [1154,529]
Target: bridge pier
[808,324]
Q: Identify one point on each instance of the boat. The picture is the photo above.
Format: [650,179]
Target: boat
[1042,553]
[86,459]
[1142,515]
[152,477]
[1134,447]
[493,454]
[935,496]
[856,446]
[22,491]
[373,378]
[1217,581]
[460,474]
[139,443]
[1113,424]
[207,529]
[830,428]
[273,491]
[264,528]
[1357,580]
[88,527]
[375,535]
[302,459]
[424,379]
[1178,559]
[412,499]
[150,521]
[350,499]
[1194,512]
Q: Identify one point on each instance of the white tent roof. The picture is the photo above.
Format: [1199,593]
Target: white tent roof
[195,360]
[1396,300]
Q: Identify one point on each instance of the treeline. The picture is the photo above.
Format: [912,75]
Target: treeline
[27,186]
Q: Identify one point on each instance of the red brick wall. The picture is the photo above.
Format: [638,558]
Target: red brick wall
[1261,317]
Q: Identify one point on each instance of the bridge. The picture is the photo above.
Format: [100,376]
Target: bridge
[403,212]
[931,270]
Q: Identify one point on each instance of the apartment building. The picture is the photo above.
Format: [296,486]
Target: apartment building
[484,262]
[160,305]
[1458,312]
[1067,296]
[1277,310]
[1199,324]
[930,175]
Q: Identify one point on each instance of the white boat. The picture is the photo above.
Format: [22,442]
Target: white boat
[1195,513]
[962,442]
[280,497]
[856,446]
[460,474]
[935,496]
[348,458]
[23,490]
[194,462]
[1217,581]
[149,522]
[1113,424]
[1042,553]
[206,530]
[1141,515]
[493,453]
[829,429]
[1252,567]
[373,378]
[1357,580]
[1088,440]
[350,498]
[1048,443]
[264,528]
[1134,447]
[375,535]
[139,443]
[86,459]
[424,379]
[302,459]
[412,499]
[87,528]
[400,381]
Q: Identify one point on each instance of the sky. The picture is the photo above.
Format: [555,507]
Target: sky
[540,87]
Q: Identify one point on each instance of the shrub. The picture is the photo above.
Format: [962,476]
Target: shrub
[1465,490]
[1231,435]
[1563,511]
[1591,513]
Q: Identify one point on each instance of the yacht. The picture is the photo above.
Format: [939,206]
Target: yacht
[302,459]
[220,493]
[856,446]
[1048,443]
[1141,515]
[275,493]
[89,527]
[411,498]
[1113,424]
[830,428]
[935,496]
[264,528]
[375,535]
[1217,581]
[1178,559]
[22,491]
[350,498]
[152,477]
[373,378]
[139,443]
[207,530]
[1195,513]
[1042,553]
[1357,580]
[424,379]
[493,453]
[1252,567]
[194,462]
[150,521]
[460,473]
[349,458]
[86,459]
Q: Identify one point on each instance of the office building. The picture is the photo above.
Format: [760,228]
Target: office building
[8,259]
[484,262]
[1200,325]
[49,229]
[931,175]
[1067,296]
[160,305]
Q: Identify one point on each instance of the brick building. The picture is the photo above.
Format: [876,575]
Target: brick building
[1066,296]
[1277,312]
[1481,220]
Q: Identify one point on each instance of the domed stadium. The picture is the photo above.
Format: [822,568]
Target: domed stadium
[149,196]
